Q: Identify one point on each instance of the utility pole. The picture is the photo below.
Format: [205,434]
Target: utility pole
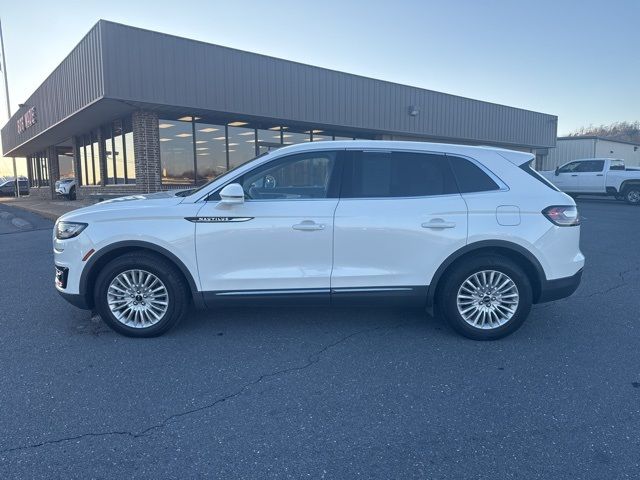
[6,91]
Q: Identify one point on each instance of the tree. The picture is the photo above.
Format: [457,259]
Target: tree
[627,131]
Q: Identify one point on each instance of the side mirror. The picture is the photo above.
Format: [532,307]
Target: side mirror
[232,194]
[557,171]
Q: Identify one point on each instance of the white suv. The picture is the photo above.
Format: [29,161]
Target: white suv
[472,233]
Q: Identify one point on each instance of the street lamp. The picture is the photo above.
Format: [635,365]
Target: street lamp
[6,88]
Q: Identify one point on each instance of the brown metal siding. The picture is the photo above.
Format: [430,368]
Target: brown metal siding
[75,83]
[131,64]
[169,70]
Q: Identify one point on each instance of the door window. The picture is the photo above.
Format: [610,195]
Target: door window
[569,167]
[397,174]
[592,166]
[302,176]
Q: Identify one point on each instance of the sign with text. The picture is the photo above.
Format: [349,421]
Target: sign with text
[28,119]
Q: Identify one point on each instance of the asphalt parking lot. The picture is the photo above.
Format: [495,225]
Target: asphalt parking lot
[321,393]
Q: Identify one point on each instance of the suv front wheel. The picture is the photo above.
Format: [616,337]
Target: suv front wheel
[141,295]
[486,298]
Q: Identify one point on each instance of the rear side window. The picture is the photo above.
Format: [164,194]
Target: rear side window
[396,174]
[528,167]
[616,165]
[470,177]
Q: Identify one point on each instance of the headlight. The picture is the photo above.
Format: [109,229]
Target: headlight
[65,230]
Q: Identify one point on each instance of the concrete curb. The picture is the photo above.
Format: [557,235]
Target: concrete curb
[43,213]
[51,211]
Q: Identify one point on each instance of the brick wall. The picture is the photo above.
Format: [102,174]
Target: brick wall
[146,145]
[146,148]
[54,169]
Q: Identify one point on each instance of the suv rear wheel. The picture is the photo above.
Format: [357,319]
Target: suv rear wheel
[141,295]
[486,298]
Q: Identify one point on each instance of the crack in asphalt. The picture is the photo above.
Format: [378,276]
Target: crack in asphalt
[622,275]
[311,360]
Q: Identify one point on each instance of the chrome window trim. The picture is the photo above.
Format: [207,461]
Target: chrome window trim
[273,292]
[421,197]
[503,186]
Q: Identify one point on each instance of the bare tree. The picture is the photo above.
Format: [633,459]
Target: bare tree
[627,131]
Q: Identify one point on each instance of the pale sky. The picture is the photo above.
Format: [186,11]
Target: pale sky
[579,60]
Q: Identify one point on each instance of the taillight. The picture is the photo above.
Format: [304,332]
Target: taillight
[562,215]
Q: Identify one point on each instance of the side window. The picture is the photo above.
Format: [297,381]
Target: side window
[569,167]
[470,177]
[591,166]
[616,165]
[396,174]
[301,176]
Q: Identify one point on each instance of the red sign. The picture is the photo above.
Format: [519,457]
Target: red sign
[27,120]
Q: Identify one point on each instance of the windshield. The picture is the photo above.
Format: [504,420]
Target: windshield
[230,172]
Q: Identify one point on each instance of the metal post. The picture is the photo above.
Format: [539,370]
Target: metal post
[6,91]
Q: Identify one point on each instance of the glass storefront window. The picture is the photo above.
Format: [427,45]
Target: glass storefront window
[241,145]
[342,138]
[211,155]
[130,156]
[176,152]
[268,140]
[114,153]
[321,136]
[95,152]
[89,159]
[39,166]
[120,168]
[289,137]
[65,162]
[83,162]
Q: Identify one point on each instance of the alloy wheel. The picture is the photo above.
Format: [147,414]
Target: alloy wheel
[137,298]
[487,299]
[633,196]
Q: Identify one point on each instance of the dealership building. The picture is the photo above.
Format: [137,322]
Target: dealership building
[136,111]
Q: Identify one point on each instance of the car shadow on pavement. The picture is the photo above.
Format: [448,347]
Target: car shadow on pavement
[294,320]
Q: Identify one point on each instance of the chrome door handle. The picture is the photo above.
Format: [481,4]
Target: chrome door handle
[574,174]
[438,224]
[308,226]
[599,175]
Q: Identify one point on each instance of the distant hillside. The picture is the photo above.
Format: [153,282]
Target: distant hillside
[627,131]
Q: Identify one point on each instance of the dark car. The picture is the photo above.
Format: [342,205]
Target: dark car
[8,186]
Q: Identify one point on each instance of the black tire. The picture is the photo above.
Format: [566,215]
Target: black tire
[632,194]
[72,193]
[166,272]
[456,276]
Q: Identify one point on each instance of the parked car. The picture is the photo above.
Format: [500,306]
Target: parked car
[8,186]
[597,176]
[66,187]
[472,233]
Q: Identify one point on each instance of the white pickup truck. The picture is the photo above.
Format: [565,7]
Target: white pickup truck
[597,176]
